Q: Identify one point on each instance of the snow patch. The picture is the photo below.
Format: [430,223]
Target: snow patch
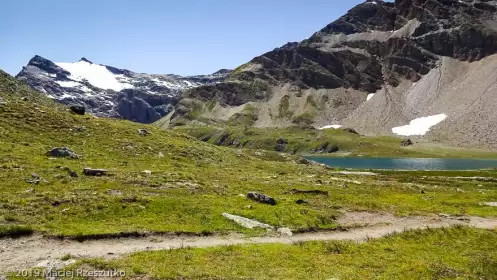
[370,96]
[95,74]
[334,126]
[419,126]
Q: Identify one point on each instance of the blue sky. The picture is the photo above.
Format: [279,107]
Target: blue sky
[157,36]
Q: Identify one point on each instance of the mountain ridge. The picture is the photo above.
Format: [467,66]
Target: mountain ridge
[108,91]
[365,70]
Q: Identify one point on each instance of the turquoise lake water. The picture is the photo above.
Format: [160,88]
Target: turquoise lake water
[407,163]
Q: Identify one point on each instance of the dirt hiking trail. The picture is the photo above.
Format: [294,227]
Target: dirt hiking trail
[37,251]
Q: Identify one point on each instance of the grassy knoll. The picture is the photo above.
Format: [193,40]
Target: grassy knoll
[455,253]
[330,142]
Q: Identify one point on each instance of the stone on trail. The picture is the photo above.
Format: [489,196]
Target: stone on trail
[94,172]
[261,198]
[62,152]
[245,222]
[285,231]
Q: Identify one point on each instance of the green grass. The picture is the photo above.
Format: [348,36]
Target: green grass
[14,231]
[307,141]
[193,182]
[455,253]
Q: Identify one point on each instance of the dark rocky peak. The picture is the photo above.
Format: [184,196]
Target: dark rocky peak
[370,15]
[45,65]
[222,72]
[85,60]
[288,46]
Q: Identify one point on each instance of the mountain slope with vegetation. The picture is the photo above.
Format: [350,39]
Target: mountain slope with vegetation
[377,68]
[164,181]
[161,183]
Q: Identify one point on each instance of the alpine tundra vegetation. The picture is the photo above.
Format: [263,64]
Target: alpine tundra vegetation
[152,176]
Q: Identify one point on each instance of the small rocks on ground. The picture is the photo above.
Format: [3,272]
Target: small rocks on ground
[62,152]
[35,179]
[69,171]
[316,192]
[261,198]
[143,132]
[114,192]
[94,172]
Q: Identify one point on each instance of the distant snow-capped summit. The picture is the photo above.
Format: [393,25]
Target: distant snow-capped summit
[111,92]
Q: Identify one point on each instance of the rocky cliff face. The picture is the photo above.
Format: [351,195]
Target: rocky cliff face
[111,92]
[377,50]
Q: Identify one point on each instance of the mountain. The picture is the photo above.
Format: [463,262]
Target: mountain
[416,68]
[111,92]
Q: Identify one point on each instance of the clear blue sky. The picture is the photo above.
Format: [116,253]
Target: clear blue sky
[157,36]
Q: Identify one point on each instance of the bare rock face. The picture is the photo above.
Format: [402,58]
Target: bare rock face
[374,44]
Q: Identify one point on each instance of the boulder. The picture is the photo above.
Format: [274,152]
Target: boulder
[281,145]
[62,152]
[79,110]
[327,148]
[94,172]
[406,143]
[261,198]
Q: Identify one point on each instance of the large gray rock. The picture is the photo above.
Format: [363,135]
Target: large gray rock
[62,152]
[94,172]
[245,222]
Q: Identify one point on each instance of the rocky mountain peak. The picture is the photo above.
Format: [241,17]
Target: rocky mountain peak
[362,70]
[109,91]
[85,60]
